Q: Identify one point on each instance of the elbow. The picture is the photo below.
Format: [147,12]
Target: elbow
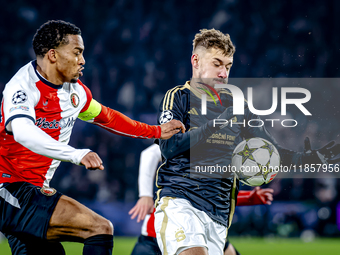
[18,137]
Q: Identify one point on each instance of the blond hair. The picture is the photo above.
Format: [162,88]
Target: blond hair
[212,38]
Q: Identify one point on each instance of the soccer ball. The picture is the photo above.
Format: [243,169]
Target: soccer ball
[255,161]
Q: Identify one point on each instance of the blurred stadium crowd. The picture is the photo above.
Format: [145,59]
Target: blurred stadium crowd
[136,50]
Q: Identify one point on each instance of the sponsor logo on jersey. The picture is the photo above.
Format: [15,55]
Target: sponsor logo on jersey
[74,100]
[165,117]
[6,176]
[48,191]
[54,124]
[21,107]
[19,97]
[180,236]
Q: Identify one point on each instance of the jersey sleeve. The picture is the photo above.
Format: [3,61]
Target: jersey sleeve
[287,156]
[173,106]
[149,160]
[116,122]
[18,101]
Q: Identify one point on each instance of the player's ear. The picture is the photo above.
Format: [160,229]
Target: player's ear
[194,60]
[51,54]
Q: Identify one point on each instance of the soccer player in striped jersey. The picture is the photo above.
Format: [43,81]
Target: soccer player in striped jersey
[39,107]
[144,208]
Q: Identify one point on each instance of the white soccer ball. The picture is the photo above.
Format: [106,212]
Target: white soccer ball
[255,161]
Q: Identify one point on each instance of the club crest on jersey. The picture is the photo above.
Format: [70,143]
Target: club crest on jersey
[74,100]
[165,117]
[48,191]
[19,97]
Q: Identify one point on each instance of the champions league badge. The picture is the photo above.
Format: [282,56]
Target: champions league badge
[48,191]
[19,97]
[74,100]
[165,117]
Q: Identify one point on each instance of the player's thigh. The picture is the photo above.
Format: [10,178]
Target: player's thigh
[178,226]
[146,245]
[26,209]
[28,245]
[216,235]
[229,249]
[72,221]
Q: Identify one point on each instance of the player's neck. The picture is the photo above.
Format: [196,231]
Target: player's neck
[196,87]
[48,72]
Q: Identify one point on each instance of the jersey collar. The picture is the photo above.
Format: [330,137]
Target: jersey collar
[34,64]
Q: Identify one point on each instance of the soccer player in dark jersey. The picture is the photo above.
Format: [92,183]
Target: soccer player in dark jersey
[144,208]
[194,210]
[39,107]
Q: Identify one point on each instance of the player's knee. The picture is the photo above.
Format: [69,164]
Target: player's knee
[105,228]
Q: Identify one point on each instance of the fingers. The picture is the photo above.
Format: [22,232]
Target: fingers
[142,214]
[178,125]
[328,145]
[92,161]
[135,213]
[307,145]
[171,128]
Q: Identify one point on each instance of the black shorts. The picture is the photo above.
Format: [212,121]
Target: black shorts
[26,209]
[146,245]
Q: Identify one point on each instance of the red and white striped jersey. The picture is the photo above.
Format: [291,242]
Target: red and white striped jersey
[148,227]
[52,108]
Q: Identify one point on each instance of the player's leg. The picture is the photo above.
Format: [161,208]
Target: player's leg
[180,229]
[195,251]
[72,221]
[229,249]
[146,245]
[33,246]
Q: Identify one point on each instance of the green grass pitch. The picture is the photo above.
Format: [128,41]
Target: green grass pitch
[246,246]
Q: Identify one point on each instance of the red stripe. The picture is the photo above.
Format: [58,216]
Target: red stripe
[150,227]
[88,96]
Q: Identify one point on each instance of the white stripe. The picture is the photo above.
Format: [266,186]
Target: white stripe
[135,136]
[144,226]
[9,198]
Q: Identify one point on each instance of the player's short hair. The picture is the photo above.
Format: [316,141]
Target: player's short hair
[53,34]
[212,38]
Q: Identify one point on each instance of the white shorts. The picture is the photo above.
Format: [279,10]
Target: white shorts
[180,226]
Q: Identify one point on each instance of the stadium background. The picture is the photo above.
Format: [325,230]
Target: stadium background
[137,50]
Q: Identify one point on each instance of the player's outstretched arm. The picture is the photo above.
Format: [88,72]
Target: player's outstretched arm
[328,154]
[36,140]
[183,142]
[120,124]
[149,159]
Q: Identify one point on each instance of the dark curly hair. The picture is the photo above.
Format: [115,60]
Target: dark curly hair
[213,38]
[51,35]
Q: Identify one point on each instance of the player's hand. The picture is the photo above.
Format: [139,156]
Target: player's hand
[144,206]
[92,161]
[171,128]
[328,154]
[264,195]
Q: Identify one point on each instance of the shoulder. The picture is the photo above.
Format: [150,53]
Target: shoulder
[174,94]
[24,81]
